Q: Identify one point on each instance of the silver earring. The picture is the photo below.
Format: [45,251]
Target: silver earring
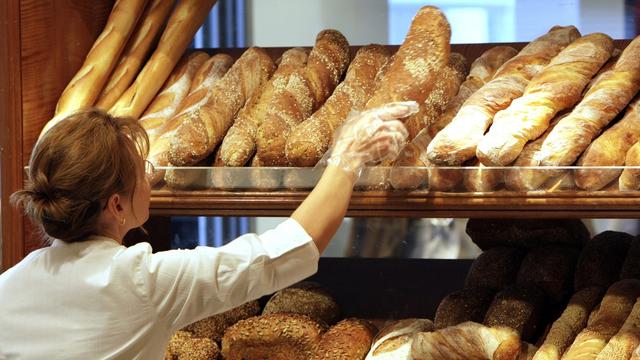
[123,221]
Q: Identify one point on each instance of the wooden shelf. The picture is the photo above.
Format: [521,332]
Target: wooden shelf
[563,204]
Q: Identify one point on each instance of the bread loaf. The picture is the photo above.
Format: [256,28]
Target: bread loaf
[462,306]
[615,55]
[239,145]
[310,139]
[209,73]
[181,27]
[528,233]
[272,336]
[630,177]
[214,326]
[495,268]
[518,307]
[525,176]
[183,345]
[614,309]
[414,154]
[466,341]
[559,86]
[445,87]
[305,298]
[551,269]
[457,142]
[622,344]
[610,149]
[85,86]
[304,93]
[631,265]
[482,179]
[203,125]
[569,324]
[604,100]
[393,342]
[349,339]
[136,51]
[166,104]
[412,72]
[600,260]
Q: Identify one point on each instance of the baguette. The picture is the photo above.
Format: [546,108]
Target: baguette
[600,105]
[203,124]
[569,324]
[181,27]
[445,87]
[412,73]
[304,93]
[209,73]
[525,174]
[84,88]
[603,70]
[136,51]
[630,177]
[457,142]
[621,346]
[310,139]
[166,104]
[239,145]
[403,174]
[609,149]
[614,309]
[559,86]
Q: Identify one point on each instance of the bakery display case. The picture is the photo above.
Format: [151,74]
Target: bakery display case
[45,44]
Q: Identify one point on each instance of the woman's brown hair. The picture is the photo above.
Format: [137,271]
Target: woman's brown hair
[76,166]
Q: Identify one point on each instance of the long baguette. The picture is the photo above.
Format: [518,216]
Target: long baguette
[304,93]
[558,87]
[600,105]
[204,124]
[310,139]
[166,104]
[609,149]
[85,86]
[621,346]
[457,142]
[403,174]
[239,145]
[630,177]
[185,20]
[134,54]
[207,76]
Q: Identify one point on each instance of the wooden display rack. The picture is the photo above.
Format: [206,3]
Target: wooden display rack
[43,43]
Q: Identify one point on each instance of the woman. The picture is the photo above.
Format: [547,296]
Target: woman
[88,297]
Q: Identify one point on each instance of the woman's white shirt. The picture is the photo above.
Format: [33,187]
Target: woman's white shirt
[100,300]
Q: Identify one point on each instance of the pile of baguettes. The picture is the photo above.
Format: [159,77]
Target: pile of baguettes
[549,104]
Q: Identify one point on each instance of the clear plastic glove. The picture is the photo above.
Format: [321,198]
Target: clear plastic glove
[370,136]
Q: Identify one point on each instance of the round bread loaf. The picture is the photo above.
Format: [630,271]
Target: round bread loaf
[631,265]
[495,268]
[462,306]
[306,298]
[489,233]
[183,346]
[281,336]
[213,327]
[350,339]
[601,259]
[518,307]
[551,269]
[393,342]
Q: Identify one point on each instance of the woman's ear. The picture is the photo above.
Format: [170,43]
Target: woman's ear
[114,206]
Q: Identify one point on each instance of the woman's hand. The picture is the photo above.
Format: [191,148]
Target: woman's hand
[370,136]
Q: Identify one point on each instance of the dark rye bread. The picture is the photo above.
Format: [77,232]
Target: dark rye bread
[495,268]
[488,233]
[601,259]
[518,307]
[631,265]
[463,305]
[551,269]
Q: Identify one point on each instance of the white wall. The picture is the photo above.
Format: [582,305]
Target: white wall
[289,23]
